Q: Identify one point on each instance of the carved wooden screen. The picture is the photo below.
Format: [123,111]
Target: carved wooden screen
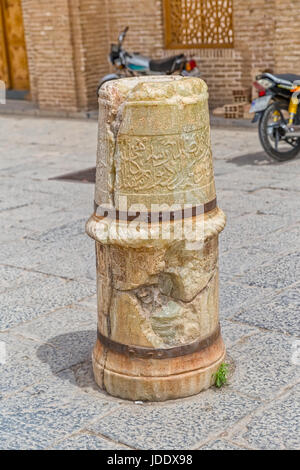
[13,56]
[198,23]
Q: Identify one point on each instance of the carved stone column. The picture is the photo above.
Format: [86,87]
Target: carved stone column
[156,226]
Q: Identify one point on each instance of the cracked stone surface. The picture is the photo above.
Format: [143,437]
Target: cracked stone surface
[153,148]
[48,395]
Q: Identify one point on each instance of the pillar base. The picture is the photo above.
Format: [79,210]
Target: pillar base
[156,379]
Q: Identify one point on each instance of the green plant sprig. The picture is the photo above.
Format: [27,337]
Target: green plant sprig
[221,375]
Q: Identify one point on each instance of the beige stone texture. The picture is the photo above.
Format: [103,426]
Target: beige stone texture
[157,282]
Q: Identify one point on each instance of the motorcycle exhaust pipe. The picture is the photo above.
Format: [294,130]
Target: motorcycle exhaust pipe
[292,134]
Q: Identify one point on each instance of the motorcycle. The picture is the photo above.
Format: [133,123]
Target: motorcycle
[134,64]
[278,113]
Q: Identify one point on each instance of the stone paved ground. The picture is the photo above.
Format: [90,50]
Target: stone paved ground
[48,303]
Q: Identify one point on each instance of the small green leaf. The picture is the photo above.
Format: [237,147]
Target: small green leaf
[221,375]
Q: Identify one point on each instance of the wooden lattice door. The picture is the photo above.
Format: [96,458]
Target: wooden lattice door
[198,23]
[13,57]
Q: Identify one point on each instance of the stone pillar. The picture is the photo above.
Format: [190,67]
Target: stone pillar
[156,226]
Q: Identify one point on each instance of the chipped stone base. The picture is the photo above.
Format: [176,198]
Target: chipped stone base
[156,379]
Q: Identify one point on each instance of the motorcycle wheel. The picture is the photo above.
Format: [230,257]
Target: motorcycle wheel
[271,133]
[107,78]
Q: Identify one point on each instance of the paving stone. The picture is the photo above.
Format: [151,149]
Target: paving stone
[36,299]
[279,273]
[234,296]
[72,319]
[262,365]
[73,259]
[69,258]
[43,413]
[65,337]
[12,278]
[260,199]
[274,201]
[276,426]
[66,231]
[56,218]
[22,253]
[221,444]
[236,262]
[280,313]
[245,230]
[233,332]
[22,367]
[12,234]
[86,441]
[61,340]
[181,424]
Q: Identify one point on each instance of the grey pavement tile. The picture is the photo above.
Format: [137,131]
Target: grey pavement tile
[24,212]
[33,300]
[61,340]
[46,412]
[236,203]
[245,230]
[57,218]
[181,424]
[65,231]
[46,337]
[12,278]
[70,258]
[65,338]
[275,427]
[288,183]
[11,234]
[262,365]
[281,272]
[282,241]
[73,258]
[50,194]
[221,444]
[63,321]
[260,202]
[234,263]
[86,441]
[22,253]
[274,201]
[240,260]
[233,332]
[90,302]
[245,179]
[234,296]
[22,367]
[279,313]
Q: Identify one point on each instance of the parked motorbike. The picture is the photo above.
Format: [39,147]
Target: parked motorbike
[134,64]
[278,113]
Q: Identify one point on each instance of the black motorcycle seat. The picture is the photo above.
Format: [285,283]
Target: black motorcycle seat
[283,78]
[164,65]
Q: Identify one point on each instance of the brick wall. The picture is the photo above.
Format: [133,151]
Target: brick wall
[223,69]
[287,34]
[67,51]
[68,42]
[50,53]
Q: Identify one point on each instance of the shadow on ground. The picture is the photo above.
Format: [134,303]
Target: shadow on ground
[257,159]
[71,351]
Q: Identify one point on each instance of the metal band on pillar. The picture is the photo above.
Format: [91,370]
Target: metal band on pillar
[149,217]
[159,353]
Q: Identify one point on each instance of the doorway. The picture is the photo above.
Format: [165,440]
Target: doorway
[13,56]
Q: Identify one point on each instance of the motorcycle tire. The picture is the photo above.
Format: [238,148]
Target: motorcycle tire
[107,78]
[264,138]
